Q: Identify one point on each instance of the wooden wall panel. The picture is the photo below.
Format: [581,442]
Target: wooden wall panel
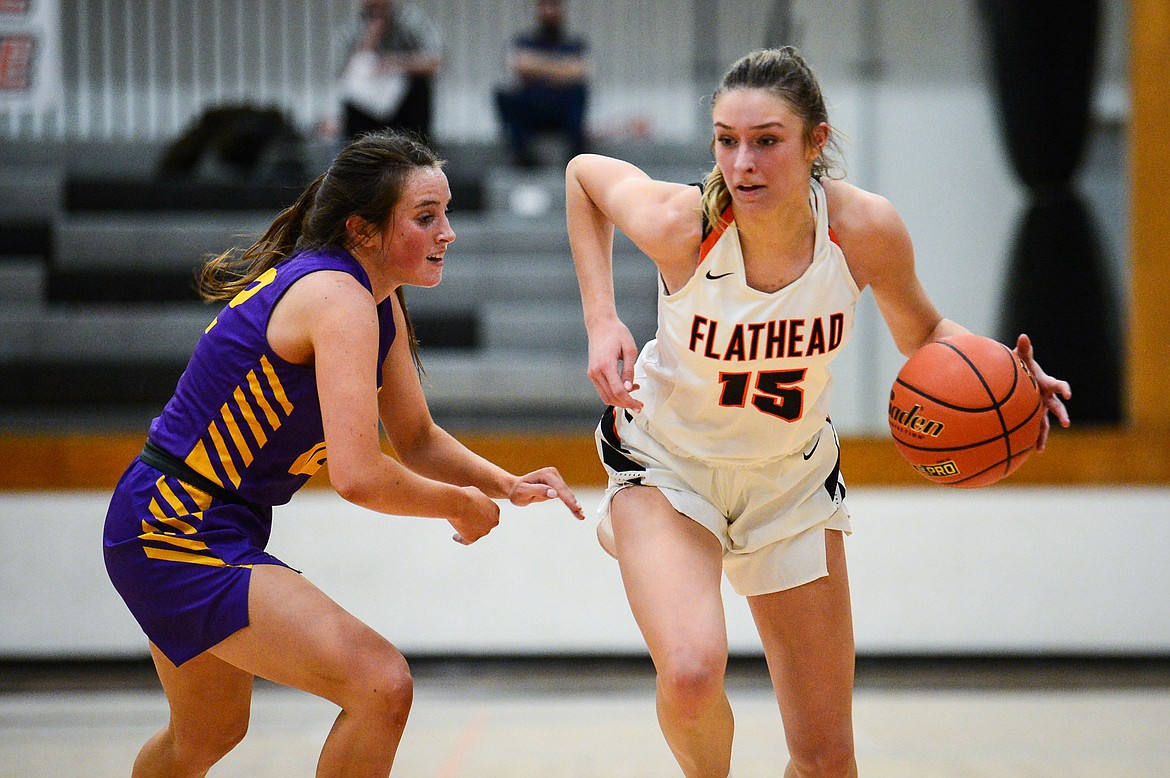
[1149,375]
[1083,458]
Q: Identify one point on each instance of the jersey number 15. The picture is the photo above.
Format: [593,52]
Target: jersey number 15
[777,392]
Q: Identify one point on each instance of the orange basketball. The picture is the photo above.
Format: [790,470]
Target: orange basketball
[965,411]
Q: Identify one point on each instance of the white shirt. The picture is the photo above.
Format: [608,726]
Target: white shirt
[739,376]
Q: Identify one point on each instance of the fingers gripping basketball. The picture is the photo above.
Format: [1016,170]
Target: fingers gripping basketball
[965,411]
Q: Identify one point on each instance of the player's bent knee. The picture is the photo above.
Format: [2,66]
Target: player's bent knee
[827,759]
[382,688]
[367,669]
[690,684]
[203,749]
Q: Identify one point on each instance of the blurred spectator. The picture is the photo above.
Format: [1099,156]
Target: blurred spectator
[392,54]
[551,70]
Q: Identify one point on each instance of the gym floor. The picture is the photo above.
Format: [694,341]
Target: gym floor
[592,717]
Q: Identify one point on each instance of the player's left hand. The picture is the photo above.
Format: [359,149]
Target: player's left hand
[1051,391]
[544,484]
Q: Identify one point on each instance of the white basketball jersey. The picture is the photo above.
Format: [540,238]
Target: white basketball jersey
[736,375]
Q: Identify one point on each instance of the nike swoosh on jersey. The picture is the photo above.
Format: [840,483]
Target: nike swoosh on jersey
[721,275]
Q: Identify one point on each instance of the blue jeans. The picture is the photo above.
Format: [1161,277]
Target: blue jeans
[534,109]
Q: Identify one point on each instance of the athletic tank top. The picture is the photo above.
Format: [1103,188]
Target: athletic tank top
[243,417]
[736,375]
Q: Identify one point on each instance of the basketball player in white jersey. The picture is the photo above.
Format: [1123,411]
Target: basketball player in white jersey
[720,453]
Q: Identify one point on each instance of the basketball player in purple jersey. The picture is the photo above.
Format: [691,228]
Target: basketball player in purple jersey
[313,347]
[721,457]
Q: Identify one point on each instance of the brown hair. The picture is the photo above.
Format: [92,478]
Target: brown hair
[784,73]
[366,179]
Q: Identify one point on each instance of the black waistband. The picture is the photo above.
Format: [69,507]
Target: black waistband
[165,462]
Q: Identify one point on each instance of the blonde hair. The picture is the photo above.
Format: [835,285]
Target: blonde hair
[784,73]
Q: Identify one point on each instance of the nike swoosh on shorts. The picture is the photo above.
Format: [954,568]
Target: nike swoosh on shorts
[814,448]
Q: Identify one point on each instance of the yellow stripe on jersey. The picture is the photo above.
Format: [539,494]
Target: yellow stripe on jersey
[178,524]
[233,429]
[169,494]
[201,498]
[262,280]
[274,382]
[171,521]
[249,415]
[183,556]
[186,556]
[172,540]
[310,462]
[258,394]
[201,463]
[225,456]
[170,497]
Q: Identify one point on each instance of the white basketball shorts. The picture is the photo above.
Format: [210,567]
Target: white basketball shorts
[770,518]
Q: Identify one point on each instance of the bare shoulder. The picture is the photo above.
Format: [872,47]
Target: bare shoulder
[324,298]
[856,212]
[869,229]
[320,305]
[331,286]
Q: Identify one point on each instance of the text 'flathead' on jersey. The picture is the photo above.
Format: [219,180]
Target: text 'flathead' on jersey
[767,339]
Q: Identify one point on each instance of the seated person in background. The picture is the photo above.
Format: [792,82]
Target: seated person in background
[391,57]
[551,69]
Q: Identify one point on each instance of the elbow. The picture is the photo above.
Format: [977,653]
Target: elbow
[911,340]
[353,486]
[574,168]
[909,348]
[352,492]
[943,328]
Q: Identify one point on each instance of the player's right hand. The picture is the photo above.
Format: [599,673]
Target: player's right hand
[477,516]
[1051,391]
[612,353]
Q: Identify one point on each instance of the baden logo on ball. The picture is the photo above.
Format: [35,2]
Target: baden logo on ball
[965,411]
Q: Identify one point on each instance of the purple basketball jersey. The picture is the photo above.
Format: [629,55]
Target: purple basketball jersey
[250,422]
[242,416]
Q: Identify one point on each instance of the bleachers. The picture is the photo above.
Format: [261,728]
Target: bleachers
[98,313]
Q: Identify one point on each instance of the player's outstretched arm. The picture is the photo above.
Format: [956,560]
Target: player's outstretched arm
[432,453]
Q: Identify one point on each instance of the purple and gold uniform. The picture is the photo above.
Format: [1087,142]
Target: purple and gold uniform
[245,426]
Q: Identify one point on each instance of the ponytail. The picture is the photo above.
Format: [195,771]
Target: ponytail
[226,275]
[716,198]
[366,179]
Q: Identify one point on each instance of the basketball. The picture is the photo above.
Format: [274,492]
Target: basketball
[965,411]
